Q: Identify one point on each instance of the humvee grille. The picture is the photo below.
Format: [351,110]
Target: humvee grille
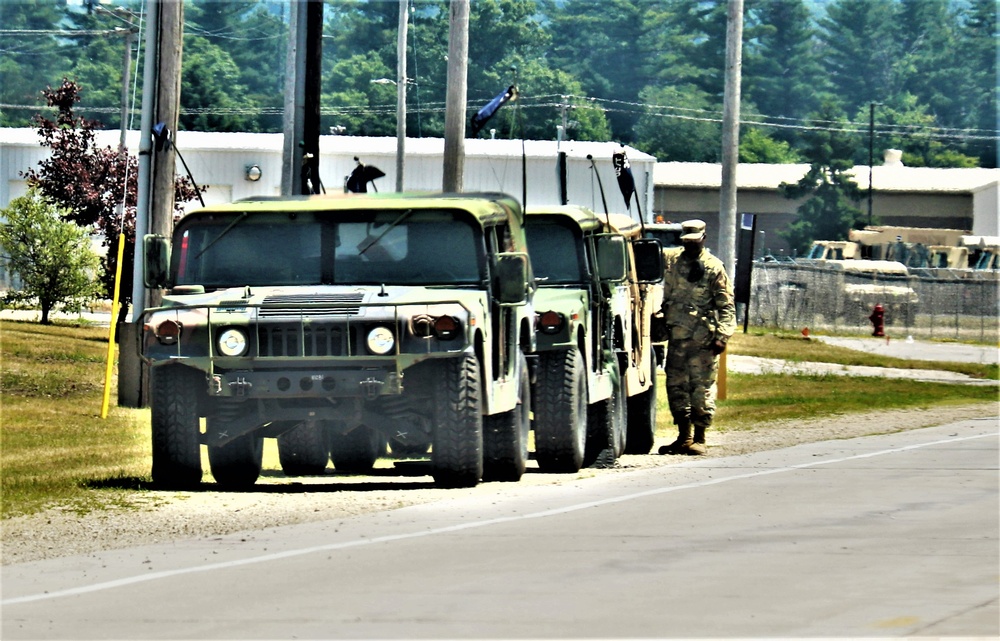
[313,305]
[293,339]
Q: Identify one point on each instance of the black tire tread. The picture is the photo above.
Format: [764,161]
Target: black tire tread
[303,450]
[457,450]
[560,381]
[175,427]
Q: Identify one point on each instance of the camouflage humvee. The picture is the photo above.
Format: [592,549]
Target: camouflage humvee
[582,309]
[643,296]
[337,324]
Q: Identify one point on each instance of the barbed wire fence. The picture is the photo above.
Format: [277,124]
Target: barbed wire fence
[926,303]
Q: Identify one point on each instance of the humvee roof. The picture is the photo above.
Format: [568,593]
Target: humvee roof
[486,207]
[583,217]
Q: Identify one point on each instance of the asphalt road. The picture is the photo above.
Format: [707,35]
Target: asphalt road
[882,536]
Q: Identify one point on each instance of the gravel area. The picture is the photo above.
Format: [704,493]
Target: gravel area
[144,517]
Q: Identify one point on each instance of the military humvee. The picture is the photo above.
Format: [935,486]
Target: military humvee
[642,296]
[337,324]
[578,395]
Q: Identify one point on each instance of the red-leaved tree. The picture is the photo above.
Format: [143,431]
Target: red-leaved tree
[92,182]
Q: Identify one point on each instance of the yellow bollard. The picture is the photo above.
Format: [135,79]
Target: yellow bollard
[111,332]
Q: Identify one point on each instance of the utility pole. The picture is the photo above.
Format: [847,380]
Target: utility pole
[167,111]
[871,154]
[404,21]
[161,90]
[731,135]
[454,114]
[300,156]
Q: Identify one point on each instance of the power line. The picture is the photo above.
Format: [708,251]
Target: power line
[753,120]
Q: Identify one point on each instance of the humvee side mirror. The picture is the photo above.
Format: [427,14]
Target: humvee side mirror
[156,261]
[648,260]
[512,279]
[611,265]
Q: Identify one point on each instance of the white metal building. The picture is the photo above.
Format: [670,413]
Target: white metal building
[902,196]
[220,161]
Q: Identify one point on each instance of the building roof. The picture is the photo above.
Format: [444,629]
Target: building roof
[693,175]
[230,141]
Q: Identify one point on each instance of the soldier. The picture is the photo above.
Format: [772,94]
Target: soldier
[700,314]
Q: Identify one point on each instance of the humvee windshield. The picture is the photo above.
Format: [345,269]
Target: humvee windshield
[409,247]
[556,253]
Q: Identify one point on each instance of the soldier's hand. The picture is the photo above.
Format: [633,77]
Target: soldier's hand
[718,347]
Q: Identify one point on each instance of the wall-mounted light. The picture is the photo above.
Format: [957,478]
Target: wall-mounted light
[253,173]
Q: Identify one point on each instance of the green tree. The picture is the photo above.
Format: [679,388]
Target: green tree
[681,125]
[28,61]
[212,98]
[51,256]
[91,182]
[829,211]
[782,73]
[980,93]
[861,51]
[612,48]
[255,38]
[905,124]
[757,147]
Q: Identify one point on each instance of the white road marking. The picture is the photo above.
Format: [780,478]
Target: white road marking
[153,576]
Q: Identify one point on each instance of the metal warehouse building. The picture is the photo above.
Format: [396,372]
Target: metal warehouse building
[901,196]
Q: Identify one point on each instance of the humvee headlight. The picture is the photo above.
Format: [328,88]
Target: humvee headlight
[550,322]
[168,332]
[446,327]
[233,342]
[380,340]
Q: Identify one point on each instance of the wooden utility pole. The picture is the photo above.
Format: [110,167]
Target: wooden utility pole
[731,135]
[168,105]
[454,114]
[300,157]
[404,21]
[161,91]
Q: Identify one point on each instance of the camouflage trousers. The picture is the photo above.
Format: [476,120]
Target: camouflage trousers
[691,370]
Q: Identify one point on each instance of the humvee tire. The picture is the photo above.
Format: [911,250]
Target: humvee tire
[560,411]
[175,427]
[357,450]
[505,436]
[303,450]
[237,464]
[642,417]
[605,428]
[457,450]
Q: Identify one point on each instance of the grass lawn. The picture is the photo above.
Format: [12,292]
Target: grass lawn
[56,450]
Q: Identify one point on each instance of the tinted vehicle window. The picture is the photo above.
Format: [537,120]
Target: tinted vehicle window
[392,248]
[556,254]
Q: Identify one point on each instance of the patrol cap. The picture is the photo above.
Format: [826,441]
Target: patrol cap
[693,229]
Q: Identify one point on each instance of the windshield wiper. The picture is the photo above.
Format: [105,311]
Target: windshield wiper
[225,231]
[406,214]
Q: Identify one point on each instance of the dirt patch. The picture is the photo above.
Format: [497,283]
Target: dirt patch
[157,516]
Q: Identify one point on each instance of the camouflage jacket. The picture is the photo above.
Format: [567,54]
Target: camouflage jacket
[703,309]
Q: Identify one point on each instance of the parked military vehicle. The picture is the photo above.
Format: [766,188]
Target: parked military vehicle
[582,304]
[642,296]
[669,234]
[337,324]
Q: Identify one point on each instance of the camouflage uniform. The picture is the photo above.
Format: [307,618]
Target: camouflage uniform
[698,310]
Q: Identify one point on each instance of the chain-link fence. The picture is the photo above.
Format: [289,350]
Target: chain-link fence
[923,303]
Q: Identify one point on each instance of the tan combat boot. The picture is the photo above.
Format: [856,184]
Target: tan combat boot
[697,447]
[683,442]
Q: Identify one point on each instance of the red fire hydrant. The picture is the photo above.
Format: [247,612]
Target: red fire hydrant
[878,321]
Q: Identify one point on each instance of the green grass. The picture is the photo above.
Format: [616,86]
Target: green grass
[795,348]
[56,450]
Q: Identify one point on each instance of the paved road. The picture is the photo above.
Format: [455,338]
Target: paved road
[891,535]
[918,350]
